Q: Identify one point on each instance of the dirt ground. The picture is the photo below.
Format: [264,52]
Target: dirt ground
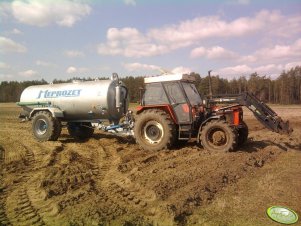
[108,180]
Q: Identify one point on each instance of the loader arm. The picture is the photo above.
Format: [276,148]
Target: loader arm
[261,111]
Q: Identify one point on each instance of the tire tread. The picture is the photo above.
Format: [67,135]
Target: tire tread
[55,126]
[164,116]
[223,123]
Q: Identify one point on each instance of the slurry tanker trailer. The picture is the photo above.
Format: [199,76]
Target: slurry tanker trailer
[78,104]
[171,111]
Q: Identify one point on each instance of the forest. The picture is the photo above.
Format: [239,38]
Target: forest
[285,89]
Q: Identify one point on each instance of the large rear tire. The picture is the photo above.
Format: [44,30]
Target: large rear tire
[243,133]
[154,130]
[45,127]
[217,135]
[80,130]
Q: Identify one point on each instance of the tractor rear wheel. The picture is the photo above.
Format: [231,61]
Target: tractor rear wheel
[80,130]
[217,135]
[45,127]
[243,133]
[154,130]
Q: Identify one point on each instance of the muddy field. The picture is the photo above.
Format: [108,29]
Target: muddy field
[108,181]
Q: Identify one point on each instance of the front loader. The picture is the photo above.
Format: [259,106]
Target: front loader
[172,111]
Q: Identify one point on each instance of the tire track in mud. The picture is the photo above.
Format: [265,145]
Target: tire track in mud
[3,193]
[22,212]
[37,196]
[25,202]
[20,208]
[118,187]
[121,186]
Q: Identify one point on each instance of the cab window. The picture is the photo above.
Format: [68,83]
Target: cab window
[174,93]
[192,93]
[154,94]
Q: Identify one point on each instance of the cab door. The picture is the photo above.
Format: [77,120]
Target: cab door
[178,102]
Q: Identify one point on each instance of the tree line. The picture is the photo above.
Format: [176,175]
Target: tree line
[285,89]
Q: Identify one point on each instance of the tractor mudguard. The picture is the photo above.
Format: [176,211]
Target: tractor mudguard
[165,107]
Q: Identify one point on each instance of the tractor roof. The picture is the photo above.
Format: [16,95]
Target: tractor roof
[170,77]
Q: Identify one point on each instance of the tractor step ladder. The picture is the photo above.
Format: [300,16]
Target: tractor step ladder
[184,132]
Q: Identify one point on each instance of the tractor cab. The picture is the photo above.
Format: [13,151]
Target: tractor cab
[170,101]
[174,92]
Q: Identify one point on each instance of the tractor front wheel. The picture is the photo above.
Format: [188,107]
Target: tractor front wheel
[154,130]
[217,135]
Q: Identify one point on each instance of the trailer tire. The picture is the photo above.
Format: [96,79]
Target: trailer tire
[243,133]
[45,127]
[217,135]
[154,130]
[80,130]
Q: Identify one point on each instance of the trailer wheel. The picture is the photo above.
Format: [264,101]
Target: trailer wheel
[218,136]
[243,133]
[154,130]
[80,130]
[45,127]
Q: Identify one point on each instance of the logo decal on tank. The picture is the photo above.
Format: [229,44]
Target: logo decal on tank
[59,93]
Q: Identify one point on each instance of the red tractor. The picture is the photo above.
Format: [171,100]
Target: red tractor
[172,111]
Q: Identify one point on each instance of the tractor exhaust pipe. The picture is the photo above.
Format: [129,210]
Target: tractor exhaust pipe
[210,85]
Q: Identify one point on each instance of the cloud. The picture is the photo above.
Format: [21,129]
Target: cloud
[238,70]
[8,45]
[6,77]
[28,74]
[269,69]
[44,63]
[5,9]
[214,27]
[276,52]
[272,70]
[181,70]
[42,13]
[16,31]
[139,66]
[198,52]
[150,67]
[73,70]
[74,53]
[239,2]
[131,42]
[130,2]
[291,65]
[4,65]
[215,52]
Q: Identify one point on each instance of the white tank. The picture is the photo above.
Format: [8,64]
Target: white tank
[102,99]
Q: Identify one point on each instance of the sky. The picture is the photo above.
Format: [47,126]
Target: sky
[61,39]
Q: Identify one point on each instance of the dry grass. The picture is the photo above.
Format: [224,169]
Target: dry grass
[245,203]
